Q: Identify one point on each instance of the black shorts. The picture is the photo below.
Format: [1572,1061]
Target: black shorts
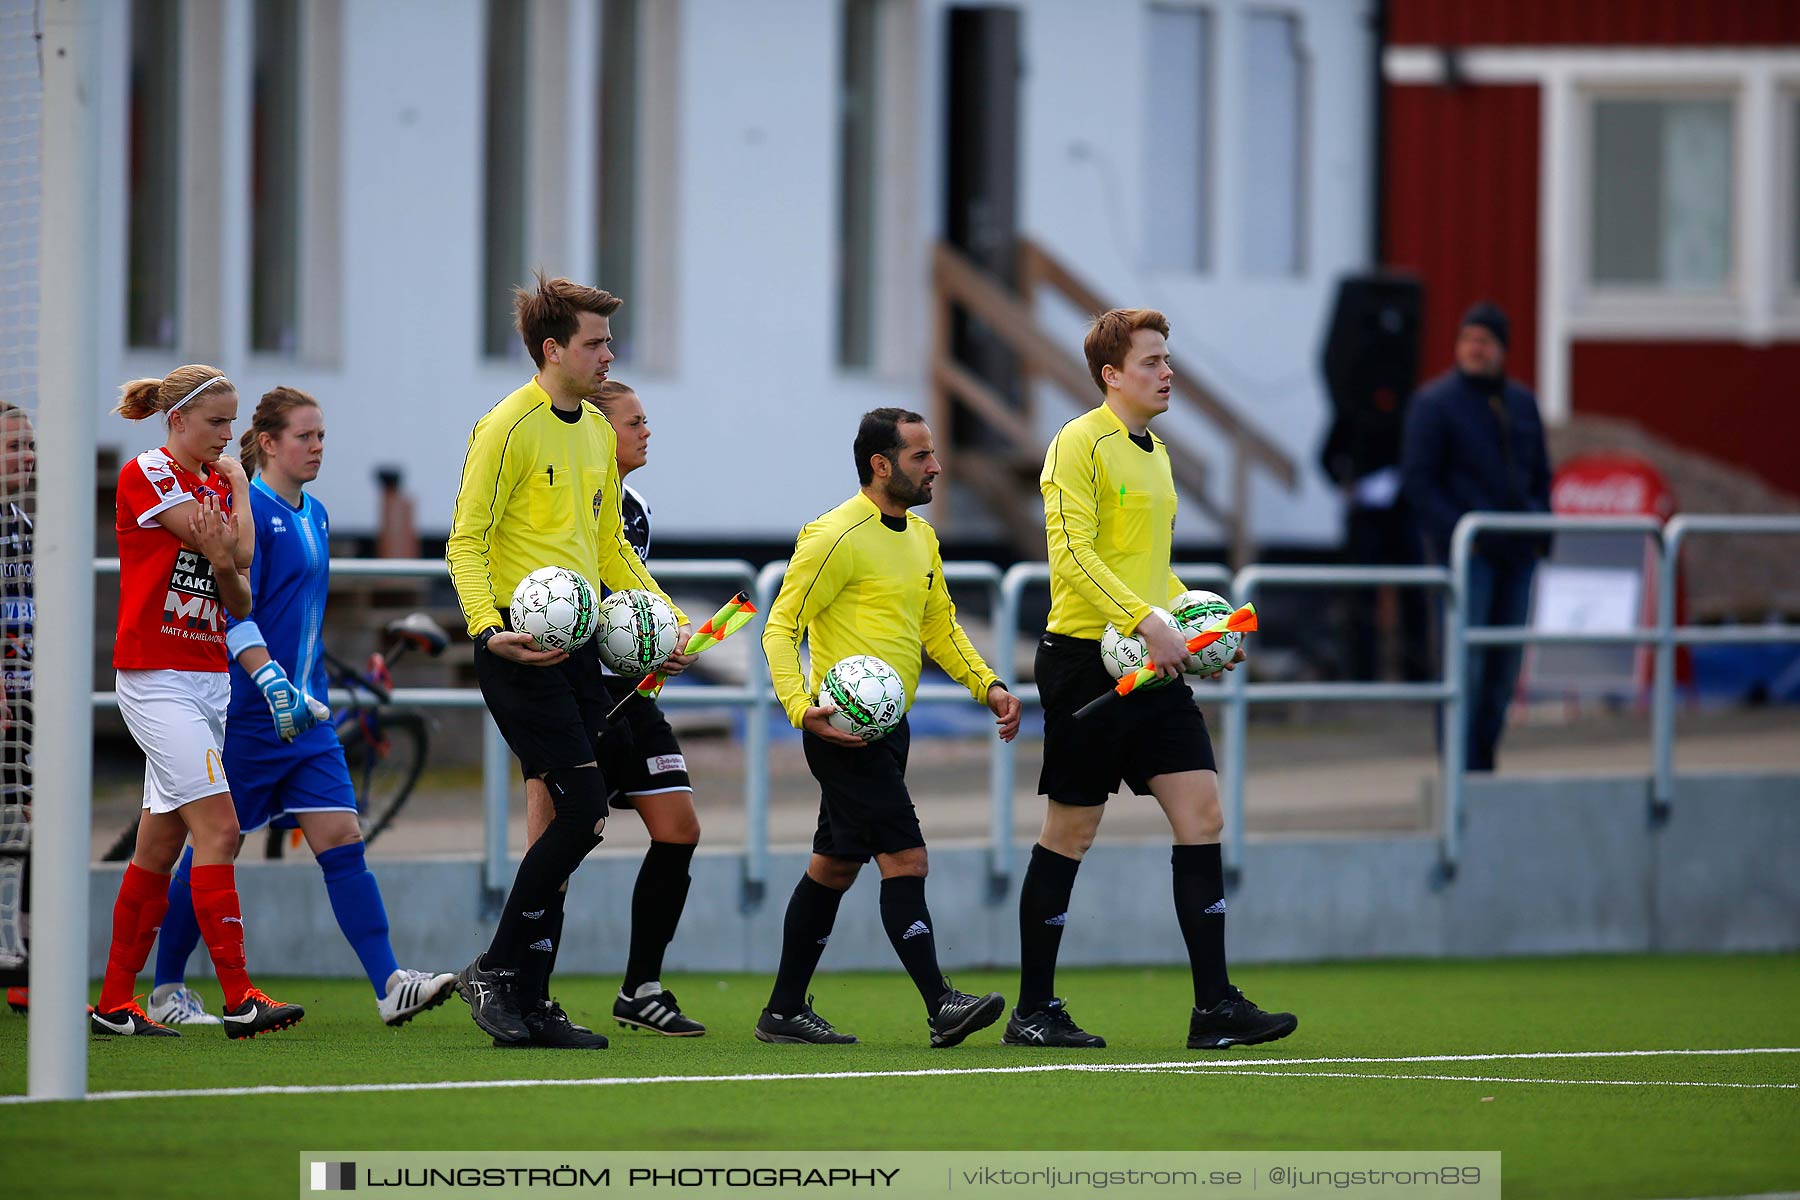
[864,807]
[1158,731]
[639,752]
[551,717]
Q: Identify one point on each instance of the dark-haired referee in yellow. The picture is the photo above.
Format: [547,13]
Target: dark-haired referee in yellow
[867,578]
[1109,514]
[540,487]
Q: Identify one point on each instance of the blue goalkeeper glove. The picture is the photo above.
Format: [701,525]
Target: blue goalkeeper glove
[293,716]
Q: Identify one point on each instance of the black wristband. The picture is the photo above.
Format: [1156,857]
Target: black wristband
[485,636]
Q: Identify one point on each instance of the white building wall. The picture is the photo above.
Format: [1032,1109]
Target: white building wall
[753,418]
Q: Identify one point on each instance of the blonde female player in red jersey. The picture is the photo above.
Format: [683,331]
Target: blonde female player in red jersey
[183,557]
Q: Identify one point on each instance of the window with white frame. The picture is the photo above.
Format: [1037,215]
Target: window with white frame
[1661,188]
[616,188]
[275,183]
[505,146]
[1178,77]
[153,175]
[1275,136]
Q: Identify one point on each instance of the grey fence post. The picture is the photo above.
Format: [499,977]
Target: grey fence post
[1453,730]
[1662,679]
[496,778]
[1237,743]
[756,754]
[1003,766]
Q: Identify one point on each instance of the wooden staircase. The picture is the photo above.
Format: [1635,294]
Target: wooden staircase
[1005,476]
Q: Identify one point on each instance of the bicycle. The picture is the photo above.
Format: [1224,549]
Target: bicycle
[384,747]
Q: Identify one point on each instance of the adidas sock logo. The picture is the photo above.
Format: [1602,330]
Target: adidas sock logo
[915,930]
[541,944]
[1061,918]
[1216,908]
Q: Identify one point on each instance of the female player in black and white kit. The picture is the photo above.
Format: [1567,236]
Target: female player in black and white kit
[647,772]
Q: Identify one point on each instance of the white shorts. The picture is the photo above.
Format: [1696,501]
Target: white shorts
[178,720]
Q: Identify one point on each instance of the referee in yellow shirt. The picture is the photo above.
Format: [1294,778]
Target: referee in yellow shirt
[867,578]
[540,487]
[1109,514]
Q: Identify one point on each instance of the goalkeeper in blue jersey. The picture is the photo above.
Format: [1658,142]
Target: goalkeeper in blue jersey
[281,750]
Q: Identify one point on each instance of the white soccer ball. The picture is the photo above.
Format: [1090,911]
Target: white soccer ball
[1195,610]
[867,696]
[555,606]
[637,632]
[1124,653]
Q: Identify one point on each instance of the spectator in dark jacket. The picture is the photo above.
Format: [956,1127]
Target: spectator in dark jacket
[1474,441]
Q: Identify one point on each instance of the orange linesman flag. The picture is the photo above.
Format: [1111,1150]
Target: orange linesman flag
[1241,621]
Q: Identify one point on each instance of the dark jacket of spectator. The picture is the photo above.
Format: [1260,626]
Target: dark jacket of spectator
[1474,443]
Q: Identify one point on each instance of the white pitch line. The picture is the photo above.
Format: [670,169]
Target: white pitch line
[1539,1054]
[1497,1079]
[1179,1066]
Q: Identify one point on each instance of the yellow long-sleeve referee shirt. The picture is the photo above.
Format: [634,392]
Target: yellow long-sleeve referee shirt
[1109,518]
[538,491]
[858,586]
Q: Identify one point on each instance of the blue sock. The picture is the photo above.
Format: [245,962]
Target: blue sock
[356,902]
[180,931]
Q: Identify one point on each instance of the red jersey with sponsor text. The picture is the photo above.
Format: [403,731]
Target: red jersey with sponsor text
[169,613]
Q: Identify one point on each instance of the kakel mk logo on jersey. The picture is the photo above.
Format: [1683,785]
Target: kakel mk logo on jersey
[193,599]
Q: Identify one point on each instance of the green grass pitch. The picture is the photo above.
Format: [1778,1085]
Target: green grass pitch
[1575,1126]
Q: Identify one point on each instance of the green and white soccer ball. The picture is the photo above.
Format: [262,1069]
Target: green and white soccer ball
[1124,653]
[867,696]
[637,632]
[1195,611]
[555,606]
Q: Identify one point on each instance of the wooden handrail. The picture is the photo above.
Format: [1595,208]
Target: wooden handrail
[1038,264]
[1007,316]
[965,284]
[960,284]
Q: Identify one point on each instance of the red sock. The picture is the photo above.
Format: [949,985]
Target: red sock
[221,927]
[137,915]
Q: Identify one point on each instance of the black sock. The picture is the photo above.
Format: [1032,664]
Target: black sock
[539,960]
[553,925]
[536,890]
[1043,908]
[810,915]
[656,904]
[1200,907]
[908,925]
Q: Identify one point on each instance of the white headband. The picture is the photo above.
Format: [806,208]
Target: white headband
[196,392]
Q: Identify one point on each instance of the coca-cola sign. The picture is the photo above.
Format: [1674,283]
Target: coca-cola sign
[1610,485]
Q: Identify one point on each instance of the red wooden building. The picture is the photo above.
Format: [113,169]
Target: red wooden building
[1623,176]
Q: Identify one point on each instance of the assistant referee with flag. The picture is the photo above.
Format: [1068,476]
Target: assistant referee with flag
[1109,515]
[540,487]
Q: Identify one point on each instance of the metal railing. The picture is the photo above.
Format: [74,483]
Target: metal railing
[1458,637]
[1241,693]
[1005,593]
[1669,635]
